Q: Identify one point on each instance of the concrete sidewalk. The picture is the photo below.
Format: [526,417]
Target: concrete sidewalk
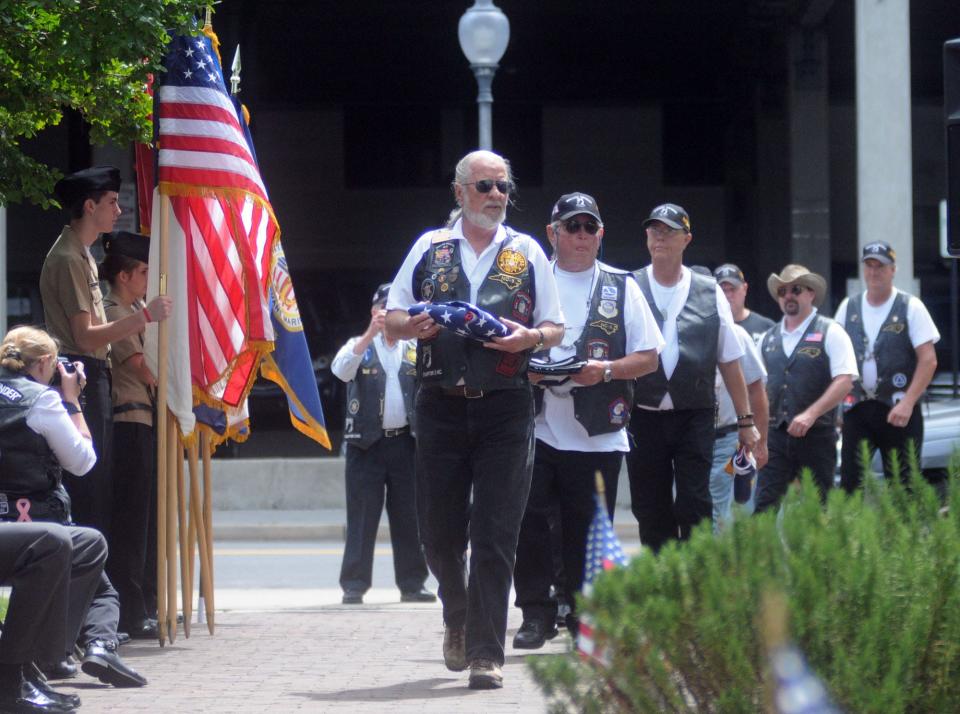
[372,658]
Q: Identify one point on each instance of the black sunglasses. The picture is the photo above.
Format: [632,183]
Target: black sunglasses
[571,226]
[486,186]
[794,290]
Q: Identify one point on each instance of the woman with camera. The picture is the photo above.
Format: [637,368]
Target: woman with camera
[42,431]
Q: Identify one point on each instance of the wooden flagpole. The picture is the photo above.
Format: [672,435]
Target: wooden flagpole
[186,592]
[208,528]
[163,344]
[196,509]
[172,442]
[192,460]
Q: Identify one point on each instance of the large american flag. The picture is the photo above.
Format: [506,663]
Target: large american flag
[222,231]
[604,552]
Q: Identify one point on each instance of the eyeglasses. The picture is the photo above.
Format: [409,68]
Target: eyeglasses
[794,290]
[486,186]
[572,227]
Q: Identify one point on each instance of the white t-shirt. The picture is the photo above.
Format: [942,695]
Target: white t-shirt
[556,424]
[670,301]
[475,268]
[48,418]
[836,343]
[346,364]
[753,370]
[920,327]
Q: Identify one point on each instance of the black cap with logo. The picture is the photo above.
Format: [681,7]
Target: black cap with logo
[670,214]
[729,273]
[879,250]
[380,296]
[573,204]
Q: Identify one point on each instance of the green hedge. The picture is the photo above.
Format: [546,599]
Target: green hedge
[871,584]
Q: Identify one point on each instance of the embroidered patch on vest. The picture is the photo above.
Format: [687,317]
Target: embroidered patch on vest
[895,328]
[511,262]
[812,352]
[608,309]
[511,282]
[443,254]
[608,292]
[411,354]
[899,380]
[354,406]
[618,411]
[598,349]
[522,306]
[427,288]
[608,327]
[509,364]
[9,393]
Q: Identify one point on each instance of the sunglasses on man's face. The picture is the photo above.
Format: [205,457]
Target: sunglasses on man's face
[486,186]
[572,227]
[793,289]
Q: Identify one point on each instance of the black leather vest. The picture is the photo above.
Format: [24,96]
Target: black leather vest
[698,333]
[797,381]
[28,466]
[509,290]
[363,425]
[893,350]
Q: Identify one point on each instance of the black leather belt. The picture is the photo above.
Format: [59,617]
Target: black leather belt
[465,392]
[91,365]
[390,433]
[728,429]
[133,406]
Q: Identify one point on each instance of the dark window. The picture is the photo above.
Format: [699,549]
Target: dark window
[517,135]
[693,143]
[392,146]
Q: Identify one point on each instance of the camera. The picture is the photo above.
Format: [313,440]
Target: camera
[68,367]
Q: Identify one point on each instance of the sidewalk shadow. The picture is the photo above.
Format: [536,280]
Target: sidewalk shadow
[431,688]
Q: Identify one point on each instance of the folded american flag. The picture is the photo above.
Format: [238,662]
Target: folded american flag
[743,467]
[463,318]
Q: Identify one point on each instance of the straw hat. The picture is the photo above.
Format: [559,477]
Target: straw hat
[800,275]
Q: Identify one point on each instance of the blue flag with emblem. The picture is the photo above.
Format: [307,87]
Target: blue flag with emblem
[463,319]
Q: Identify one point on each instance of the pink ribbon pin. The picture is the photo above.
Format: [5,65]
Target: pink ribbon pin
[23,508]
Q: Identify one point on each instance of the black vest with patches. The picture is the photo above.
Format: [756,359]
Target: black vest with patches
[893,350]
[603,408]
[508,290]
[698,332]
[28,467]
[797,381]
[363,425]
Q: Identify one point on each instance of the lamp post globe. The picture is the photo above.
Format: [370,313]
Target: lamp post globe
[484,32]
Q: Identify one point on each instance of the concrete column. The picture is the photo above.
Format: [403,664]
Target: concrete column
[809,151]
[884,153]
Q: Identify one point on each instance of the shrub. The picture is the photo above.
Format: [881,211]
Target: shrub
[871,585]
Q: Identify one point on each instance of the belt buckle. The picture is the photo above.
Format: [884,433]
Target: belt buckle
[390,433]
[472,393]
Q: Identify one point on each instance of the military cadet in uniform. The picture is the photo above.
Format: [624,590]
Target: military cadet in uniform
[673,422]
[475,405]
[133,546]
[379,435]
[810,368]
[893,337]
[734,286]
[581,424]
[74,315]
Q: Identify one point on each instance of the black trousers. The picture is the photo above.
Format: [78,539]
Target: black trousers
[564,480]
[386,469]
[54,571]
[867,421]
[92,494]
[485,447]
[134,512]
[816,451]
[670,448]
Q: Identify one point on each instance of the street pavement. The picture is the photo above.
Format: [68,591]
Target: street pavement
[292,647]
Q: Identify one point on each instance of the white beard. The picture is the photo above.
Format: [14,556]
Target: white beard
[482,220]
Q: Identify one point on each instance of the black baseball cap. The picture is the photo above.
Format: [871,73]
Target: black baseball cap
[879,250]
[670,214]
[131,245]
[729,273]
[573,204]
[79,185]
[381,294]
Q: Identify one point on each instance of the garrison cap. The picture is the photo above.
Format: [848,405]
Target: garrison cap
[79,185]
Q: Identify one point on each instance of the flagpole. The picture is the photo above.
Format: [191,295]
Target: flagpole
[192,460]
[598,478]
[163,342]
[207,524]
[171,528]
[186,592]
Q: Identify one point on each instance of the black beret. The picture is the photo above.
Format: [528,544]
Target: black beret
[76,187]
[131,245]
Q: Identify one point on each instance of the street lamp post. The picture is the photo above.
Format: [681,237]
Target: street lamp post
[484,32]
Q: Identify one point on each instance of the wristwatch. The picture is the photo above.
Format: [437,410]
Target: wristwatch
[608,373]
[539,346]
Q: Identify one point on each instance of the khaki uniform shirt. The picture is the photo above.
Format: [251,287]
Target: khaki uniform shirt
[69,284]
[127,386]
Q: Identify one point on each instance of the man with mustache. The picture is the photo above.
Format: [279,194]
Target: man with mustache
[810,368]
[474,406]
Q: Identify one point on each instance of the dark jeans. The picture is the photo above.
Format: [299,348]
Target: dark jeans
[134,518]
[867,421]
[564,479]
[816,451]
[386,468]
[92,493]
[485,447]
[670,447]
